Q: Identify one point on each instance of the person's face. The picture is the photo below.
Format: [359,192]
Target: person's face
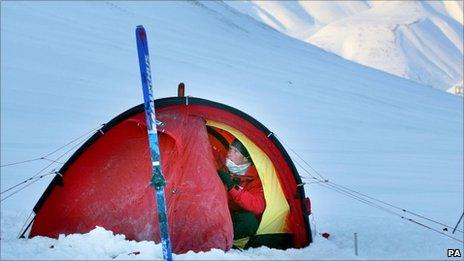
[235,156]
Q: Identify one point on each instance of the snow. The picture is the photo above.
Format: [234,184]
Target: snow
[103,244]
[68,67]
[417,40]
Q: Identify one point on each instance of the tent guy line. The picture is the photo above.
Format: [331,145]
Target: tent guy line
[331,186]
[34,178]
[57,149]
[352,194]
[324,180]
[53,172]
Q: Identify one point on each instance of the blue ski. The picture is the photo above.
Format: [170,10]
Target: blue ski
[157,179]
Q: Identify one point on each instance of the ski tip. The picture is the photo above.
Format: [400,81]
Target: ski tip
[140,32]
[140,29]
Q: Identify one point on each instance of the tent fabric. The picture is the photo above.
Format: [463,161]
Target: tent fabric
[124,203]
[105,182]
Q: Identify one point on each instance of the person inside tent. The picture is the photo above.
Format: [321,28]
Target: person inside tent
[244,189]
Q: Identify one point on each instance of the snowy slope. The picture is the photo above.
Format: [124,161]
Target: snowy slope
[421,41]
[68,67]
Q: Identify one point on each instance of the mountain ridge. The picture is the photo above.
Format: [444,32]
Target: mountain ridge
[360,31]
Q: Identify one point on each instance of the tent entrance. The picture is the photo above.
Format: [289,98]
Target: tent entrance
[273,228]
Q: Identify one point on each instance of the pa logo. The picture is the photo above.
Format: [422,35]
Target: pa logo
[454,252]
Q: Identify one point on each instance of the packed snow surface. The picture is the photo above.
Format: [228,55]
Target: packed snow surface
[67,67]
[418,40]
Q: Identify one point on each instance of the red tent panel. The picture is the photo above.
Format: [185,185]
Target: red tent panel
[108,186]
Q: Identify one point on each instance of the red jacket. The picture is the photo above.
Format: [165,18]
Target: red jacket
[248,195]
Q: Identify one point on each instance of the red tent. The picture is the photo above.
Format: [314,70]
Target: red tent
[106,181]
